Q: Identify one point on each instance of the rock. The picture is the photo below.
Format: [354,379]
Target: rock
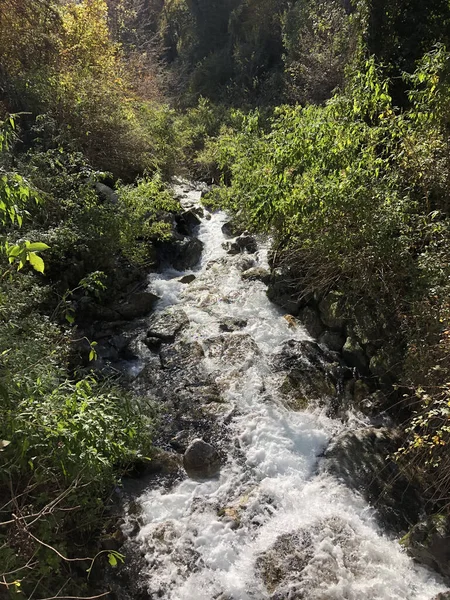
[201,460]
[247,242]
[332,340]
[283,291]
[442,596]
[232,229]
[237,349]
[429,543]
[181,356]
[188,253]
[165,325]
[152,343]
[355,356]
[241,244]
[232,324]
[360,459]
[311,373]
[385,364]
[187,279]
[180,441]
[243,262]
[311,321]
[283,567]
[256,274]
[187,222]
[361,392]
[106,193]
[136,305]
[331,311]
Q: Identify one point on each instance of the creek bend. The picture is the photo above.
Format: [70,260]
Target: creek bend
[275,523]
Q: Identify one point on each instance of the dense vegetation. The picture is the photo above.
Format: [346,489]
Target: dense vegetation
[326,123]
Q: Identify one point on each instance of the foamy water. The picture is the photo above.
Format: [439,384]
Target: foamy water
[204,540]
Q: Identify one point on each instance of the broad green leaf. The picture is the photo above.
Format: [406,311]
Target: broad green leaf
[36,262]
[37,247]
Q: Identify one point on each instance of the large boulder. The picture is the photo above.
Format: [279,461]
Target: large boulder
[325,545]
[429,543]
[232,229]
[201,460]
[311,321]
[331,311]
[136,305]
[312,374]
[165,325]
[187,222]
[187,253]
[283,291]
[181,356]
[235,349]
[332,340]
[361,459]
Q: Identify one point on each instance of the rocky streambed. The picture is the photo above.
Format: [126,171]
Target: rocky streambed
[269,479]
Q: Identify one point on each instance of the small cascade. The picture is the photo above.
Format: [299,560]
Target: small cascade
[273,524]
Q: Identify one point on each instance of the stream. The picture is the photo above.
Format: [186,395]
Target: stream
[274,523]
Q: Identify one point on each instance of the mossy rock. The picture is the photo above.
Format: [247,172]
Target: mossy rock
[332,311]
[355,356]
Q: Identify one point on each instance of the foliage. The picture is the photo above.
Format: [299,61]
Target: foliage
[143,210]
[356,196]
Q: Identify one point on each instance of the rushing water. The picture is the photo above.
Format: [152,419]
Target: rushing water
[209,540]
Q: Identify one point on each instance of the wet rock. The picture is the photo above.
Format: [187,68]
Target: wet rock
[256,274]
[184,254]
[283,291]
[442,596]
[332,340]
[355,356]
[331,311]
[187,222]
[229,324]
[311,321]
[244,243]
[311,372]
[152,343]
[429,543]
[243,262]
[232,229]
[284,566]
[233,349]
[167,324]
[187,279]
[360,459]
[136,305]
[181,356]
[180,441]
[201,460]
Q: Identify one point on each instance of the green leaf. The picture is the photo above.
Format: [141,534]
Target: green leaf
[36,262]
[112,560]
[37,247]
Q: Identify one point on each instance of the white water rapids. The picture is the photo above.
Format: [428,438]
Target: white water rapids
[205,540]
